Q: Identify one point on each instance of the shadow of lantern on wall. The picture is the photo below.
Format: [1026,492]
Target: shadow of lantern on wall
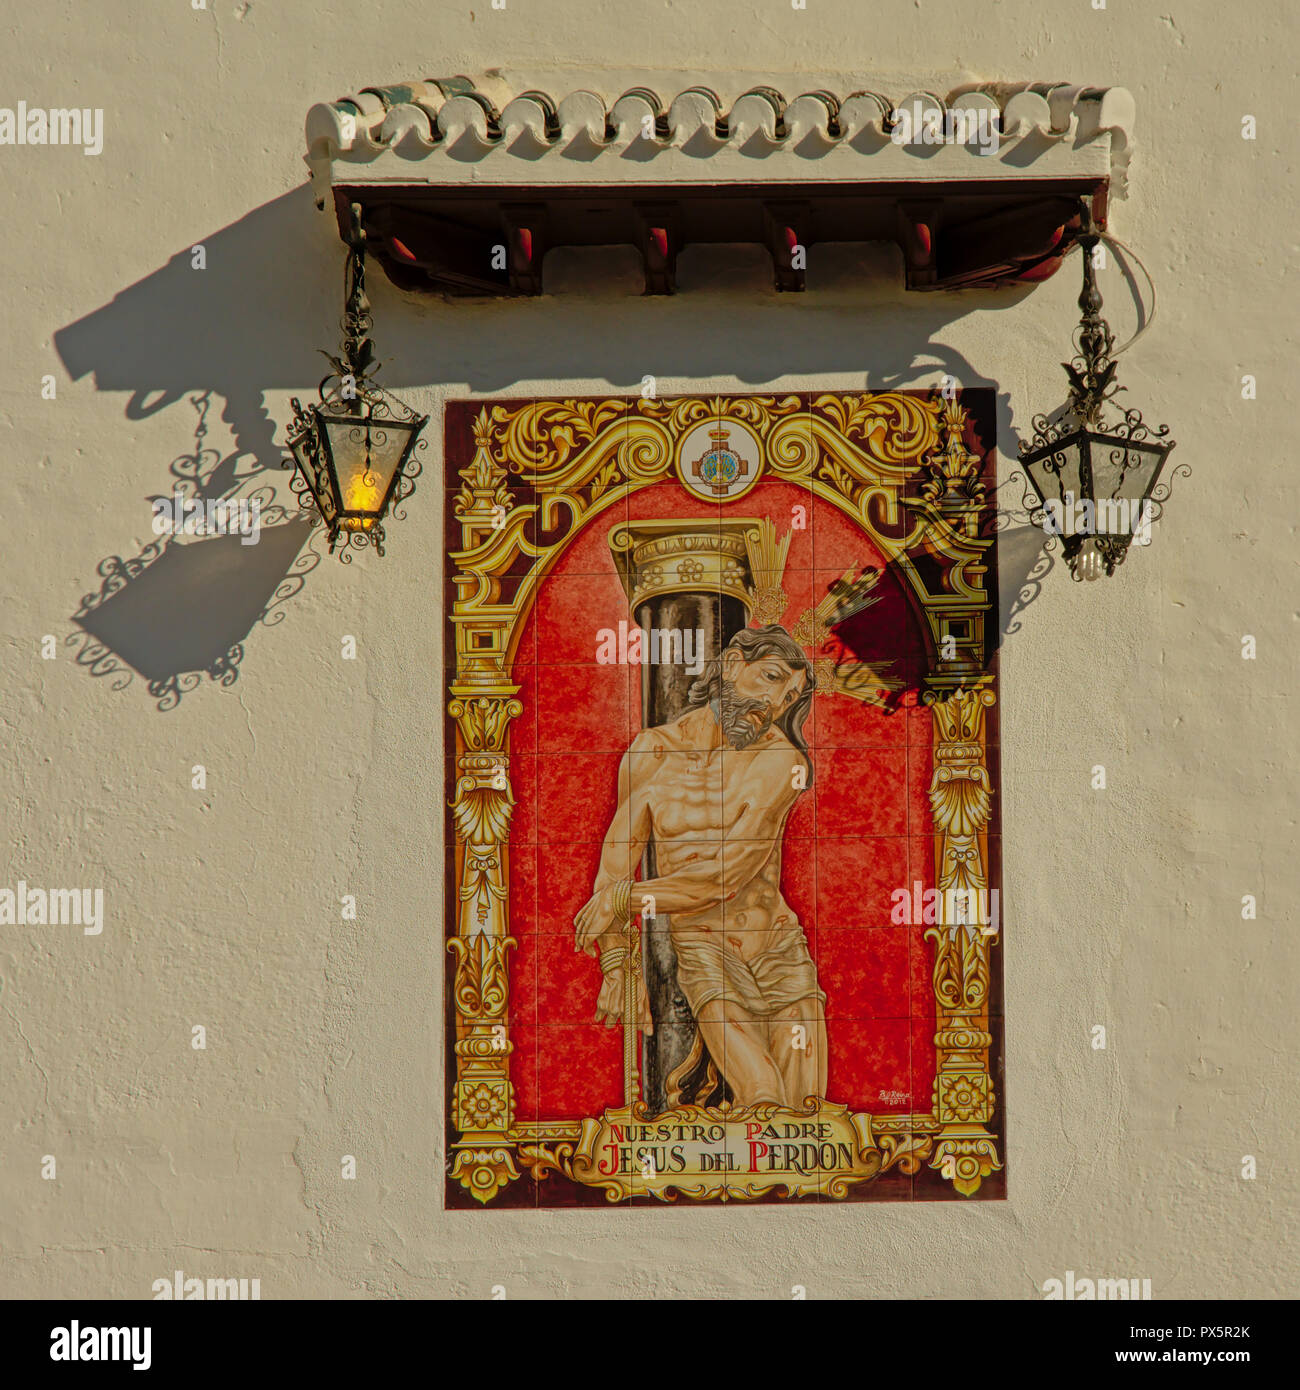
[354,452]
[1097,482]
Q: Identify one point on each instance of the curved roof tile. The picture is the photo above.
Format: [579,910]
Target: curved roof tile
[455,130]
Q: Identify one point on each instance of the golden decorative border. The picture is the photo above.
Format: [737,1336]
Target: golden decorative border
[579,458]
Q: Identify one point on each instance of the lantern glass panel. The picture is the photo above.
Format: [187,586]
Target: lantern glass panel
[1123,474]
[1056,472]
[367,454]
[306,453]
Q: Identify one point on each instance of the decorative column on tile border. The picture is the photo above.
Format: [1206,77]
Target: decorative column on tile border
[483,704]
[961,797]
[952,507]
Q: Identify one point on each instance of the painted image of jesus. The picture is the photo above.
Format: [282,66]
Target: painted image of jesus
[713,790]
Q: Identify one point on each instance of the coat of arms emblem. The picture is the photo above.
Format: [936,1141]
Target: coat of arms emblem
[719,467]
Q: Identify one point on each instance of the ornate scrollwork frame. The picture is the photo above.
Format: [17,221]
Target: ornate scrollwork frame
[899,466]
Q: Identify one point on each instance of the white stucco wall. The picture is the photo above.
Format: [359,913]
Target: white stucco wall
[1122,907]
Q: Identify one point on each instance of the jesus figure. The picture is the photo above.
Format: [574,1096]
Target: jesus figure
[714,788]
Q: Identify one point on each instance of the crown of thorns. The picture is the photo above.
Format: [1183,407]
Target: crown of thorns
[849,595]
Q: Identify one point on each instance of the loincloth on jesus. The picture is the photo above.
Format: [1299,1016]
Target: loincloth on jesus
[768,982]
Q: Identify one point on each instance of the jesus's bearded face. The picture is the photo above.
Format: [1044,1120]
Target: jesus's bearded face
[742,720]
[753,694]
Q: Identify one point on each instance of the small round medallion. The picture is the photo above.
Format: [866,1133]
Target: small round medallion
[719,460]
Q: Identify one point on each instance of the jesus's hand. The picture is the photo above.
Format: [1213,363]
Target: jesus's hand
[594,919]
[609,1006]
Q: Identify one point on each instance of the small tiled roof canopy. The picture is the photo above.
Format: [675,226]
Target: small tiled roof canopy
[1003,165]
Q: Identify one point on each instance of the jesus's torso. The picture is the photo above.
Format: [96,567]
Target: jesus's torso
[695,795]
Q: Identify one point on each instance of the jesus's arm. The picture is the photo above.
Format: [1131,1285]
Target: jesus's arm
[620,855]
[595,924]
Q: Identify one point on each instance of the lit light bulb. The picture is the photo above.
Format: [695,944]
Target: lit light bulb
[363,495]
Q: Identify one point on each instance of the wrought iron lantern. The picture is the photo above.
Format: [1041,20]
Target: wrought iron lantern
[353,452]
[1097,483]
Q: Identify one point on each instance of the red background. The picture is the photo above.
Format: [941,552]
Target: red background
[862,830]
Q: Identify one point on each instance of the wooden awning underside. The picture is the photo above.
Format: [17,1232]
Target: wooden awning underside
[465,186]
